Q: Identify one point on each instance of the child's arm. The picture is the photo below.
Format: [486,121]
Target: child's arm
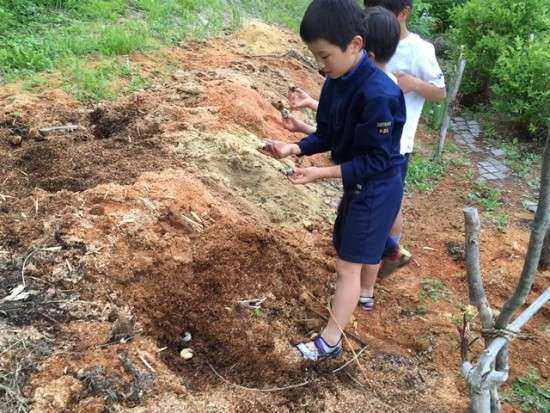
[313,173]
[293,124]
[409,83]
[298,99]
[279,150]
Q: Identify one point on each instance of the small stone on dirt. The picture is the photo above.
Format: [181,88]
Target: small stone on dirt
[35,134]
[15,140]
[97,209]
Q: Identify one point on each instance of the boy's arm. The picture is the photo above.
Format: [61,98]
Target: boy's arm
[374,139]
[409,83]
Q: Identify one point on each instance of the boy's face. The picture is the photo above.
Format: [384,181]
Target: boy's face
[332,60]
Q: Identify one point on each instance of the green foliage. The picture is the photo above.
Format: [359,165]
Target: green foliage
[434,113]
[522,93]
[256,313]
[120,40]
[440,12]
[503,65]
[529,392]
[421,20]
[433,289]
[91,85]
[31,54]
[501,221]
[417,310]
[42,35]
[424,173]
[102,9]
[486,196]
[521,162]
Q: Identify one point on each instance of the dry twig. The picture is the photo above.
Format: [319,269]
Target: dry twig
[24,264]
[273,389]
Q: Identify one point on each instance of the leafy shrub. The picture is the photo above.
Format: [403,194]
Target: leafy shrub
[440,12]
[495,36]
[421,20]
[522,94]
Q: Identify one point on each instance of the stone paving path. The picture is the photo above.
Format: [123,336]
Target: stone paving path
[467,134]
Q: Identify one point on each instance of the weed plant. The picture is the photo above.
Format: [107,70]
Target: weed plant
[530,392]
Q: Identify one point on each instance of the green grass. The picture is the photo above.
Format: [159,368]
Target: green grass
[435,290]
[530,392]
[423,173]
[39,36]
[486,196]
[519,159]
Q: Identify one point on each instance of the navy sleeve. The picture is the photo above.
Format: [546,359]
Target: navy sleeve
[373,141]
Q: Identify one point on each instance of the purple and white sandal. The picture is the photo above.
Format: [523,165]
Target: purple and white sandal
[321,351]
[366,303]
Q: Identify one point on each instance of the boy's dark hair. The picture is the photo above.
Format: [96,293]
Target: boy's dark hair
[384,33]
[336,21]
[395,6]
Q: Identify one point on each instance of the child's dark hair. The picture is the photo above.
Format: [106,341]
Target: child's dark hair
[384,33]
[336,21]
[395,6]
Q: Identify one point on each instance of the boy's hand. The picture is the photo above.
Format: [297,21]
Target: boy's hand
[293,124]
[278,149]
[299,99]
[407,83]
[305,175]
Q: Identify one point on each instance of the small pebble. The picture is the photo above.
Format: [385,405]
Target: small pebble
[186,353]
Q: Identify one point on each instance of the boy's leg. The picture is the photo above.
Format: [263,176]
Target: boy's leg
[394,255]
[348,284]
[345,299]
[392,242]
[368,279]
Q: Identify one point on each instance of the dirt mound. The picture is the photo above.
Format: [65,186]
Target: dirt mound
[157,219]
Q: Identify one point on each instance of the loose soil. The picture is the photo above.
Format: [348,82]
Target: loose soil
[158,216]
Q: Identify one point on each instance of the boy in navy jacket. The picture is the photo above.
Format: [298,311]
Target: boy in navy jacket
[360,118]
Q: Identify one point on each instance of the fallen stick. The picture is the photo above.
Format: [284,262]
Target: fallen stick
[354,358]
[273,389]
[146,363]
[68,128]
[191,221]
[354,336]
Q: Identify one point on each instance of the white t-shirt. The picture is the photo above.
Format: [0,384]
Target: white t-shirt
[391,76]
[416,57]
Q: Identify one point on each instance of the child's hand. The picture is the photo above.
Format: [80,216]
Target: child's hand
[304,175]
[293,124]
[278,149]
[407,83]
[299,99]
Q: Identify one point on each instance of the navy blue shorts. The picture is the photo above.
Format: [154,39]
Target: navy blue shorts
[365,216]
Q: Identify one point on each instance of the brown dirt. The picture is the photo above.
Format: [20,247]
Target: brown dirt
[94,221]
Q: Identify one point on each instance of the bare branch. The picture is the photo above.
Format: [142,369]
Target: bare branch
[475,283]
[542,219]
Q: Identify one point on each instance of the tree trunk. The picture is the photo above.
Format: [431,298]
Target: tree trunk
[545,253]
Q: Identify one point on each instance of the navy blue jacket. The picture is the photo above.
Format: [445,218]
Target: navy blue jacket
[360,119]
